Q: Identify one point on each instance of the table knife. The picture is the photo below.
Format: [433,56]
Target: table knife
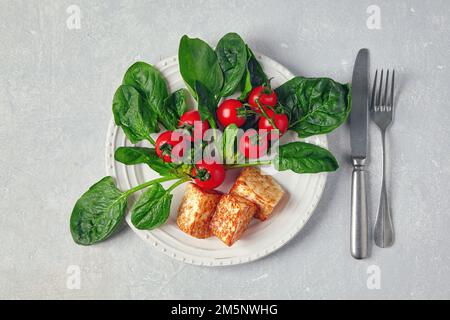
[359,121]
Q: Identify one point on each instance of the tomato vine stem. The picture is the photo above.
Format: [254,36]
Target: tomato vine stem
[264,113]
[250,164]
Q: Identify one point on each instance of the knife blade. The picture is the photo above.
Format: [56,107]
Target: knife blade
[359,116]
[359,121]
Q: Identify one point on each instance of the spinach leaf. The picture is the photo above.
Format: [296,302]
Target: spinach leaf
[207,104]
[232,55]
[198,62]
[314,105]
[98,213]
[177,103]
[302,157]
[132,114]
[139,155]
[257,75]
[151,85]
[254,75]
[175,106]
[246,86]
[152,208]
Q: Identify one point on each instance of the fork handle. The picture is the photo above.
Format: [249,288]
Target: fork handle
[384,228]
[359,221]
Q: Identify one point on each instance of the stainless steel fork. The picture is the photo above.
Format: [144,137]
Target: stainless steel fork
[382,115]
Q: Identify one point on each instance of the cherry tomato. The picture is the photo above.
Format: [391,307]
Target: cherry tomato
[208,175]
[280,120]
[192,122]
[264,95]
[165,144]
[228,113]
[252,145]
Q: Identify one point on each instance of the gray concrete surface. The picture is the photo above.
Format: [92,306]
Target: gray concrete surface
[56,86]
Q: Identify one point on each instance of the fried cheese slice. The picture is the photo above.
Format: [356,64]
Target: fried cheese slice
[196,210]
[260,189]
[232,216]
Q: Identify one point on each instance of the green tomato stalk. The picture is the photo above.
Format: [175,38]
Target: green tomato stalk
[152,142]
[250,164]
[264,113]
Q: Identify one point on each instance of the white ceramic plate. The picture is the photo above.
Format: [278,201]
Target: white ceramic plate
[303,193]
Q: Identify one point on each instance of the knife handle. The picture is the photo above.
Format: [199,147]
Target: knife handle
[359,224]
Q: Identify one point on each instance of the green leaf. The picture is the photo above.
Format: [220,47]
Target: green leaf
[229,143]
[232,55]
[302,157]
[175,106]
[207,105]
[314,105]
[139,155]
[98,213]
[257,75]
[254,75]
[132,114]
[198,62]
[152,208]
[177,103]
[148,81]
[246,86]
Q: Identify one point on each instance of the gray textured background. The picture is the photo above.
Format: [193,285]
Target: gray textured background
[56,87]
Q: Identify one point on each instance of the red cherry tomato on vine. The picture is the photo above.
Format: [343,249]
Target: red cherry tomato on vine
[280,120]
[165,144]
[192,122]
[208,175]
[264,95]
[231,112]
[252,145]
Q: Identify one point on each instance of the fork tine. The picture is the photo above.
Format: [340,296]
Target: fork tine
[374,89]
[392,88]
[386,91]
[380,90]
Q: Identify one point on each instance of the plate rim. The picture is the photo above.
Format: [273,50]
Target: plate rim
[148,235]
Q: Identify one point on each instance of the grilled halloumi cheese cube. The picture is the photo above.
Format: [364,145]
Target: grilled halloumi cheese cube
[260,189]
[196,210]
[232,216]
